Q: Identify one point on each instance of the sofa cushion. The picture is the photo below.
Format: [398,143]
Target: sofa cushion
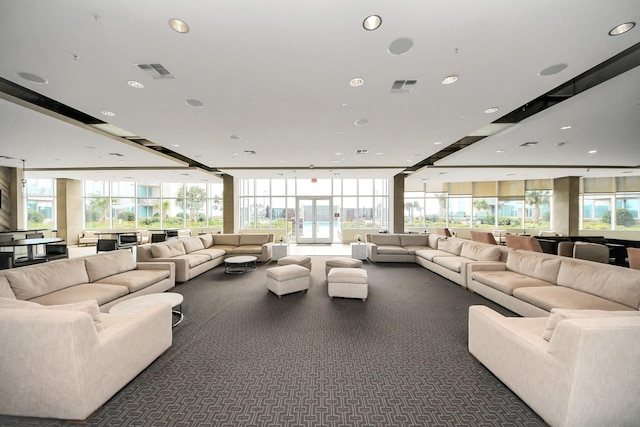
[90,307]
[254,239]
[226,239]
[168,249]
[33,281]
[195,259]
[541,266]
[107,264]
[207,239]
[507,281]
[549,297]
[412,249]
[135,280]
[5,288]
[211,253]
[560,314]
[385,239]
[192,244]
[611,282]
[453,246]
[429,254]
[480,252]
[392,250]
[247,249]
[86,291]
[453,263]
[414,240]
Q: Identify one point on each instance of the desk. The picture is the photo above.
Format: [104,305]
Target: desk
[30,244]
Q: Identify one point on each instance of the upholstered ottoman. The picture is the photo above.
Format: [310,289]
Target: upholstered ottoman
[348,283]
[287,279]
[342,262]
[302,260]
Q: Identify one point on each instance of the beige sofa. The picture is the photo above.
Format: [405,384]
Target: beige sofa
[395,247]
[586,374]
[87,238]
[532,283]
[193,256]
[108,278]
[450,257]
[58,362]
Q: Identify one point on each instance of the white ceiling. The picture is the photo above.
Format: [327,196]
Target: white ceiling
[276,74]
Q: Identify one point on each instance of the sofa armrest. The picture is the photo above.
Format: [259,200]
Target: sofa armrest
[171,266]
[181,266]
[267,251]
[372,249]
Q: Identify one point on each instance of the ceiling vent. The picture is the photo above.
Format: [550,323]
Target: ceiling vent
[528,144]
[116,154]
[403,86]
[362,151]
[156,71]
[249,152]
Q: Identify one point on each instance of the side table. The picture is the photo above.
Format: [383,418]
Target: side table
[279,251]
[359,251]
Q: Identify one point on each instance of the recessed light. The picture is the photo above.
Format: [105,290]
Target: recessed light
[372,22]
[622,28]
[195,103]
[337,154]
[593,151]
[179,25]
[108,113]
[175,145]
[449,79]
[236,137]
[437,143]
[361,122]
[355,82]
[566,127]
[135,84]
[33,78]
[500,151]
[379,153]
[491,110]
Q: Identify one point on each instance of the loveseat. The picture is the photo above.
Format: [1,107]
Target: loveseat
[532,283]
[108,278]
[193,256]
[576,368]
[395,247]
[67,361]
[451,257]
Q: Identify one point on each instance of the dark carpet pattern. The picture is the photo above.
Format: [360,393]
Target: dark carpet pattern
[243,357]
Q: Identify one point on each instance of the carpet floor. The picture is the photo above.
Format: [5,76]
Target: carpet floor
[243,357]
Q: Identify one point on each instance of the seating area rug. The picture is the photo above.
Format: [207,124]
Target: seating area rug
[244,357]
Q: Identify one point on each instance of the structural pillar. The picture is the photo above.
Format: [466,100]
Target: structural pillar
[228,212]
[566,205]
[398,204]
[69,209]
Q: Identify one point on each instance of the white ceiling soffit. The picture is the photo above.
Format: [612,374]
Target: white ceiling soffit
[188,175]
[250,78]
[312,173]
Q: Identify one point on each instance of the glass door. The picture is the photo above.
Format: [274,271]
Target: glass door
[314,221]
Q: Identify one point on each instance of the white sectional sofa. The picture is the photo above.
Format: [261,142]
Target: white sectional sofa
[395,247]
[532,283]
[193,256]
[108,278]
[585,375]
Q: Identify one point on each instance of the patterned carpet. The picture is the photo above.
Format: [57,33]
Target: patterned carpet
[243,357]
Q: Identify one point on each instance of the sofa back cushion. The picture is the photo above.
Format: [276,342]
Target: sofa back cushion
[5,288]
[559,314]
[168,249]
[36,280]
[433,240]
[385,239]
[107,264]
[611,282]
[480,252]
[89,306]
[453,246]
[226,239]
[414,240]
[540,266]
[207,239]
[254,239]
[192,244]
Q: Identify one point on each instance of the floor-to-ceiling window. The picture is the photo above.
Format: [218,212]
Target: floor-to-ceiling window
[41,203]
[610,203]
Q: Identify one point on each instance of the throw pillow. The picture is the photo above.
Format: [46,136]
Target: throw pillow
[90,307]
[559,314]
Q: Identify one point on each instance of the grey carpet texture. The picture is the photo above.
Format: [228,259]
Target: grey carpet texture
[244,357]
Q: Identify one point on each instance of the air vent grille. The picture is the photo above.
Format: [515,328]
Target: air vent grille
[403,86]
[156,71]
[528,144]
[362,151]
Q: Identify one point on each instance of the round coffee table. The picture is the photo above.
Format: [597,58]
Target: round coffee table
[133,305]
[240,264]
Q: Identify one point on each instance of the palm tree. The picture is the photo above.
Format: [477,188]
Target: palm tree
[195,199]
[537,198]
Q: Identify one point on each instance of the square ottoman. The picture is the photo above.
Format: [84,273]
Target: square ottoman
[342,262]
[348,283]
[287,279]
[302,260]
